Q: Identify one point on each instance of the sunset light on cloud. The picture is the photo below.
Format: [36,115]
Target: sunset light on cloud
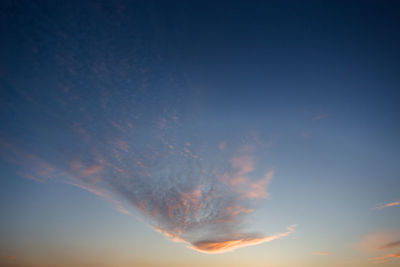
[380,240]
[221,246]
[388,205]
[385,258]
[199,133]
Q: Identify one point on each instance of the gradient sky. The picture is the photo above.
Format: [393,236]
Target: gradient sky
[200,133]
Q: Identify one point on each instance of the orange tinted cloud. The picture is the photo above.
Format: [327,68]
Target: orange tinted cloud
[385,258]
[171,236]
[392,204]
[229,244]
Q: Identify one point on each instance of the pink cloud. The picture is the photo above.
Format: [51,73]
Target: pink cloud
[243,165]
[93,169]
[258,189]
[392,204]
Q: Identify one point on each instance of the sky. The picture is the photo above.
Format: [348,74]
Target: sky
[199,133]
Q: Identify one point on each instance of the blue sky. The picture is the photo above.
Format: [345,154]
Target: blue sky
[221,134]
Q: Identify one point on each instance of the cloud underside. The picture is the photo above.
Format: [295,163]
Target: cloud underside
[221,246]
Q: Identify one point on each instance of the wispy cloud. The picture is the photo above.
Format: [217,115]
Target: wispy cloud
[379,241]
[29,165]
[78,174]
[385,258]
[322,253]
[238,178]
[387,205]
[222,145]
[320,117]
[101,193]
[391,245]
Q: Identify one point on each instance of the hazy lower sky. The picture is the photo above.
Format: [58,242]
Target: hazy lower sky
[199,133]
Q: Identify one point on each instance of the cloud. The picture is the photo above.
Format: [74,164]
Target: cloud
[385,258]
[238,178]
[243,240]
[78,174]
[392,204]
[101,193]
[380,241]
[202,205]
[322,253]
[90,170]
[29,165]
[258,188]
[391,245]
[180,193]
[222,145]
[320,117]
